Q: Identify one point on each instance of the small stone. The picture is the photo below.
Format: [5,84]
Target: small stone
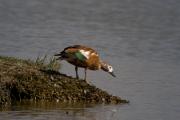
[103,99]
[85,91]
[51,77]
[57,100]
[55,85]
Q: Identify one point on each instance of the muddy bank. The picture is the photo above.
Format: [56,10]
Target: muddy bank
[25,79]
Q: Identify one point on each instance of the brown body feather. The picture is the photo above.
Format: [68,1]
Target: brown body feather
[92,63]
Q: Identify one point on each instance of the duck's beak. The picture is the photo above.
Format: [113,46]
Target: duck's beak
[112,74]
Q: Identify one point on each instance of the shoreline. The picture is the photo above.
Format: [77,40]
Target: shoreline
[36,80]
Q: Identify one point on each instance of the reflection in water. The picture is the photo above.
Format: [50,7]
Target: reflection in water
[63,111]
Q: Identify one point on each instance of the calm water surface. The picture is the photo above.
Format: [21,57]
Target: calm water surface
[140,38]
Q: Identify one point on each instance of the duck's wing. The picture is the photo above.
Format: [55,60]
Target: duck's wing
[76,53]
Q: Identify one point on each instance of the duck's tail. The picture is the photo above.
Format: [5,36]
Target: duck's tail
[59,55]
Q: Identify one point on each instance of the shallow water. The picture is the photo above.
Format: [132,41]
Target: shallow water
[140,38]
[63,111]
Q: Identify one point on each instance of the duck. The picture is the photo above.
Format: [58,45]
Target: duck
[84,57]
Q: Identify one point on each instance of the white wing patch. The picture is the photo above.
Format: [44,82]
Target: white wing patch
[85,53]
[94,54]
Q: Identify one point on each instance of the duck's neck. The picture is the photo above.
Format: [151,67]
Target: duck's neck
[103,66]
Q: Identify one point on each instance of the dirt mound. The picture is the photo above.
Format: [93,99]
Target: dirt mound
[24,79]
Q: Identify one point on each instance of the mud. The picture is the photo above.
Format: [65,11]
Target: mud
[28,80]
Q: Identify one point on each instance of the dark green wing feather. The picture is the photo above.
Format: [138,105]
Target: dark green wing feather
[80,56]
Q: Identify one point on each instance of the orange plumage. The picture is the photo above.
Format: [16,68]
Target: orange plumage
[85,57]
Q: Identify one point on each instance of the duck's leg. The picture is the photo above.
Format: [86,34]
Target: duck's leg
[85,72]
[76,69]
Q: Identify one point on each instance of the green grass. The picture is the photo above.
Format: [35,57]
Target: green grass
[48,63]
[43,62]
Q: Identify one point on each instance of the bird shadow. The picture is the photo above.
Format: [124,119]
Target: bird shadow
[53,72]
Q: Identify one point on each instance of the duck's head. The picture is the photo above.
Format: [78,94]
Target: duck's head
[107,68]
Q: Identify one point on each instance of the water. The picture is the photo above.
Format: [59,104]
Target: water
[140,38]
